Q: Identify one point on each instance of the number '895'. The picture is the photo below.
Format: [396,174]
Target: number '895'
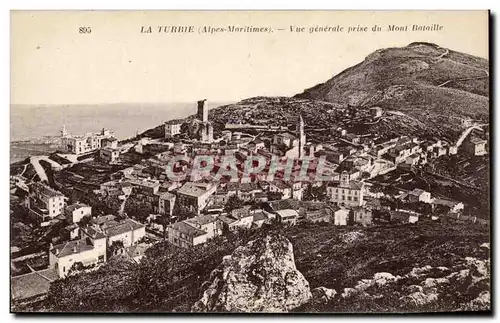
[84,30]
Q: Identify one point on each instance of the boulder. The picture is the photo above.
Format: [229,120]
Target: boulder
[323,294]
[384,278]
[258,277]
[419,298]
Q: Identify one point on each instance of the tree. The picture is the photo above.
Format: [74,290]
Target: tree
[312,193]
[84,221]
[274,196]
[115,245]
[308,194]
[233,202]
[137,209]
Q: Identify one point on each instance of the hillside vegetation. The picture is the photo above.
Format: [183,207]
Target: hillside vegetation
[172,279]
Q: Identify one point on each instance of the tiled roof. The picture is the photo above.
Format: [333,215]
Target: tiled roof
[232,186]
[280,184]
[192,189]
[126,225]
[227,219]
[284,204]
[287,213]
[93,233]
[241,213]
[75,206]
[259,216]
[32,284]
[248,187]
[166,195]
[353,185]
[417,192]
[449,203]
[201,219]
[103,219]
[46,190]
[187,229]
[476,140]
[71,248]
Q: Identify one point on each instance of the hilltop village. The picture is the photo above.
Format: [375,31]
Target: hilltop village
[99,198]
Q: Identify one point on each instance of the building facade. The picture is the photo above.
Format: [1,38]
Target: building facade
[81,144]
[172,129]
[77,211]
[44,202]
[346,192]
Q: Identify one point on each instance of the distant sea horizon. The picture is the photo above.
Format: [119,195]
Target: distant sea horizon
[29,122]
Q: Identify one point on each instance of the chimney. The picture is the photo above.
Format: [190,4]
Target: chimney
[57,251]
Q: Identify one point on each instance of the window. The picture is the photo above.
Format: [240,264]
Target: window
[355,198]
[64,269]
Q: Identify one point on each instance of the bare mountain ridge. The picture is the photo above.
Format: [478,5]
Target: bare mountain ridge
[420,76]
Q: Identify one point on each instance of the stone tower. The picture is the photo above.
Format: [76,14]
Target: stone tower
[207,132]
[64,132]
[302,136]
[202,110]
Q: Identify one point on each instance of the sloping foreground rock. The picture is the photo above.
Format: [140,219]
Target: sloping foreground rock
[258,277]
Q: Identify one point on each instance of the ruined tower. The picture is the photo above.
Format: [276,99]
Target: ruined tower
[202,110]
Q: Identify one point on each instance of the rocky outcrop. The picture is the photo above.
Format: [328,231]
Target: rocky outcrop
[470,279]
[258,277]
[261,277]
[323,294]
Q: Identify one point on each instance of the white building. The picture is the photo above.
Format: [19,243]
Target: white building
[194,231]
[109,155]
[194,197]
[419,195]
[239,218]
[77,211]
[475,146]
[127,231]
[166,202]
[44,202]
[64,256]
[81,144]
[172,128]
[340,216]
[346,192]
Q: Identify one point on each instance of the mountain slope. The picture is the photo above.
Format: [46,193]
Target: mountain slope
[420,78]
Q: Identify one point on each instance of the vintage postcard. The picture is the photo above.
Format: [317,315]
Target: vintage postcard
[250,161]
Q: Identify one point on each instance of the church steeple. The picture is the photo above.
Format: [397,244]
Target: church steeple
[64,133]
[302,136]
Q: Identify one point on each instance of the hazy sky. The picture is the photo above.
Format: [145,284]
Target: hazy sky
[51,63]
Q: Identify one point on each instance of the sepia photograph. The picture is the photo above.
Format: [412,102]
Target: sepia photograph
[332,162]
